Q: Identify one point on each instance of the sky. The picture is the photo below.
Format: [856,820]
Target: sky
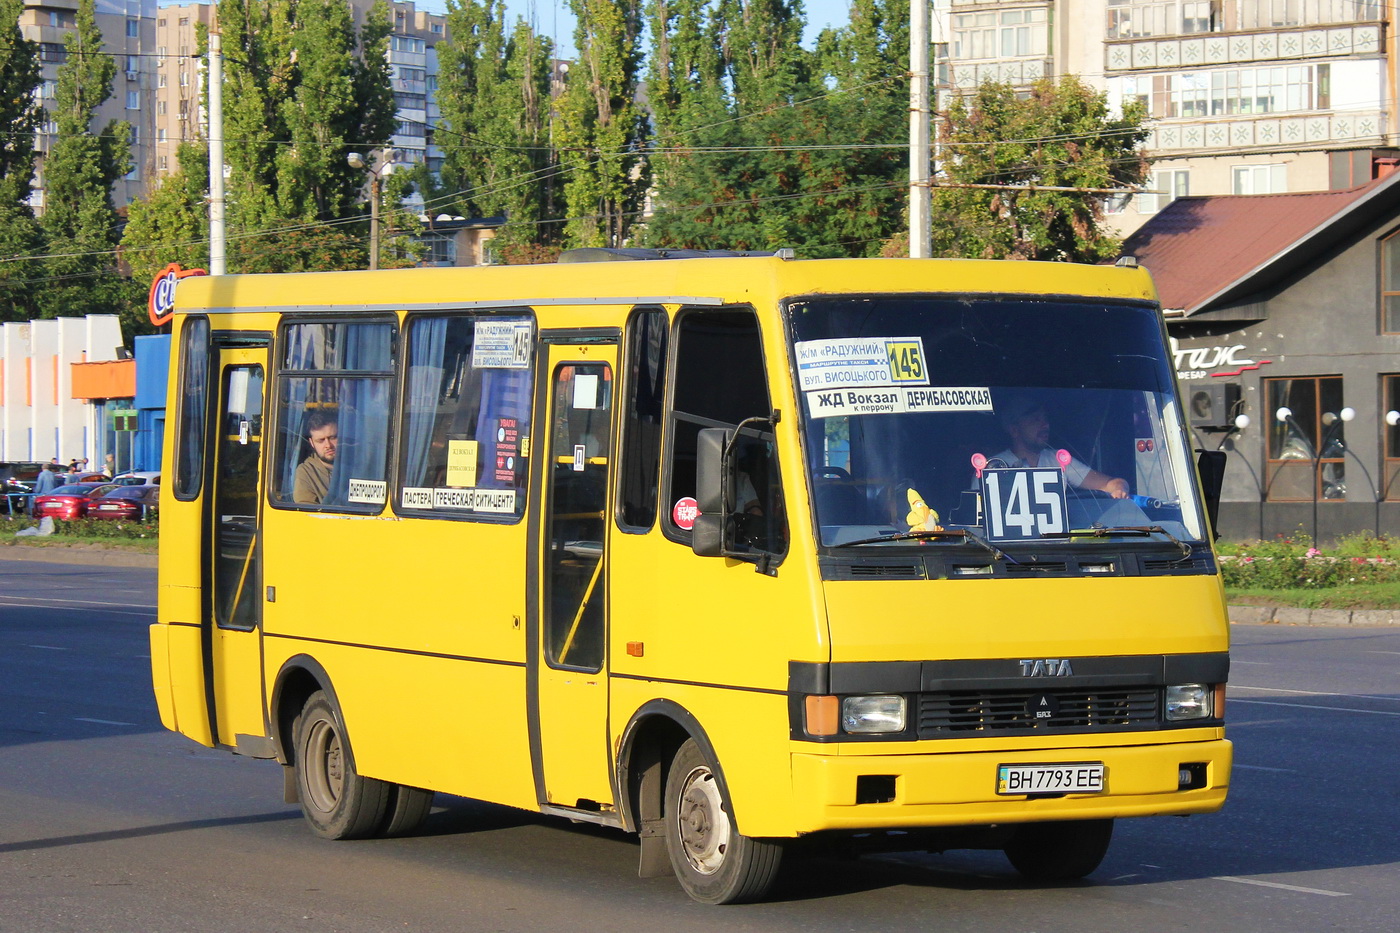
[552,17]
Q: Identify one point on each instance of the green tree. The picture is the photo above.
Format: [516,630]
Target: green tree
[21,116]
[172,225]
[301,91]
[79,222]
[1034,172]
[599,130]
[803,149]
[493,91]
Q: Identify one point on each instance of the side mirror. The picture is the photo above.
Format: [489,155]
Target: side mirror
[707,537]
[1211,466]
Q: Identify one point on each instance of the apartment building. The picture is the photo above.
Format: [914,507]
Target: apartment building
[128,35]
[1244,96]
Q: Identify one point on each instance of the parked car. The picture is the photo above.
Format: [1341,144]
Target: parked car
[137,478]
[68,502]
[125,502]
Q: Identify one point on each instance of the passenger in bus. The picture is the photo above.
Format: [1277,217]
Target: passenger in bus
[1028,426]
[313,476]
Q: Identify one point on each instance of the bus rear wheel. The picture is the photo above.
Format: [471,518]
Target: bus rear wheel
[335,799]
[713,862]
[1059,851]
[407,809]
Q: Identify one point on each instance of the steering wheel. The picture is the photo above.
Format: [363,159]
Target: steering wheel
[835,471]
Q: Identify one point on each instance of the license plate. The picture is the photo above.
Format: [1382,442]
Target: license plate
[1085,778]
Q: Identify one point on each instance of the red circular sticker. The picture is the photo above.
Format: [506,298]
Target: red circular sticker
[683,513]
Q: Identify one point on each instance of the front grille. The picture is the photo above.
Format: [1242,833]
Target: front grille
[970,712]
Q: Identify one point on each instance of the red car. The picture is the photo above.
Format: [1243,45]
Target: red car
[128,502]
[68,501]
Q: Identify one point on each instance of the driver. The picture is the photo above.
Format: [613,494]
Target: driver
[1028,427]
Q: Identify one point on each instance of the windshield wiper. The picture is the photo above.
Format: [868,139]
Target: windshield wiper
[1142,531]
[967,534]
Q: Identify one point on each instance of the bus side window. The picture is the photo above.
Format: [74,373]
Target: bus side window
[719,382]
[647,346]
[193,407]
[466,416]
[333,390]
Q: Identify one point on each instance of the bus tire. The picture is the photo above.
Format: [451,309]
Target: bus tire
[714,864]
[408,808]
[335,799]
[1063,851]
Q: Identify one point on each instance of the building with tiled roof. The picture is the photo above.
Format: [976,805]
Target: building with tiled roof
[1285,309]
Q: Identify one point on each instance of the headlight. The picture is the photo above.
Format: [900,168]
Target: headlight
[1188,701]
[872,714]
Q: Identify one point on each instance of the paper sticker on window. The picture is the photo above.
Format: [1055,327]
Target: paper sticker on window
[498,344]
[897,399]
[861,363]
[585,391]
[369,491]
[417,497]
[461,464]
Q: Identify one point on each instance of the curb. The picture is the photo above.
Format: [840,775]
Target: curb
[1287,615]
[78,554]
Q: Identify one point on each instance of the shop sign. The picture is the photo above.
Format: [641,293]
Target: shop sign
[1215,362]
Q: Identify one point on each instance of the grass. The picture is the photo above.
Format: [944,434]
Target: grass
[1352,596]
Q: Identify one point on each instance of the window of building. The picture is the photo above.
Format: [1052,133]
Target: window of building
[1306,451]
[466,416]
[133,100]
[133,29]
[334,390]
[184,78]
[1163,187]
[161,107]
[1230,91]
[1390,284]
[53,52]
[1000,34]
[160,56]
[133,64]
[163,163]
[1390,401]
[1259,179]
[160,80]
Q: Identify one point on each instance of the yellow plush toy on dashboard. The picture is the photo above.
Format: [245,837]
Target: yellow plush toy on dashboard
[921,517]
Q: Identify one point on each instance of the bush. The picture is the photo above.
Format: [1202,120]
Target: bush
[1294,563]
[88,528]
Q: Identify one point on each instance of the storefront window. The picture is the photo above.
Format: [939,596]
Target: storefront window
[1307,448]
[1390,395]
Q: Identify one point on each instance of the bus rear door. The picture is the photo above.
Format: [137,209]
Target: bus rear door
[569,692]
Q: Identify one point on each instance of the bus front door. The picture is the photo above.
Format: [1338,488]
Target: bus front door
[570,689]
[234,607]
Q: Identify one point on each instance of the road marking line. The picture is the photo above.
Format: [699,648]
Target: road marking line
[49,647]
[1310,693]
[1332,709]
[102,722]
[1284,887]
[29,601]
[1239,766]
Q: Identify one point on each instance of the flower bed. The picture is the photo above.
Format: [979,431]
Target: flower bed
[1294,563]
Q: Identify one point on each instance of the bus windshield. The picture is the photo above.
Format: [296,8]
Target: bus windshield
[1000,420]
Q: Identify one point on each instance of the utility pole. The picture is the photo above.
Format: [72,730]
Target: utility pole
[217,247]
[920,229]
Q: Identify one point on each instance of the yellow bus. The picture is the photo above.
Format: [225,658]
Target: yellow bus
[728,552]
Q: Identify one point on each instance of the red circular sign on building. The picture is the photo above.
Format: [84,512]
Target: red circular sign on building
[684,512]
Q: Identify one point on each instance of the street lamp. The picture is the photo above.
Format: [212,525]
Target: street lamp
[385,166]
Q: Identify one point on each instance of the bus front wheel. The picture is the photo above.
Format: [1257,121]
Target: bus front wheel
[335,799]
[714,863]
[1059,851]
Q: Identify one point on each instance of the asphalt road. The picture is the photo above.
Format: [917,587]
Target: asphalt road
[108,823]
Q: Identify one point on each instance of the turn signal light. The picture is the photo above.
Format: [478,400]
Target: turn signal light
[823,714]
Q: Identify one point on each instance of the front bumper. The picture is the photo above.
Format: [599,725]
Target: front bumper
[959,789]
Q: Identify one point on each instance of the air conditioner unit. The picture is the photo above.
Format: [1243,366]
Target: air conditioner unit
[133,75]
[1214,405]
